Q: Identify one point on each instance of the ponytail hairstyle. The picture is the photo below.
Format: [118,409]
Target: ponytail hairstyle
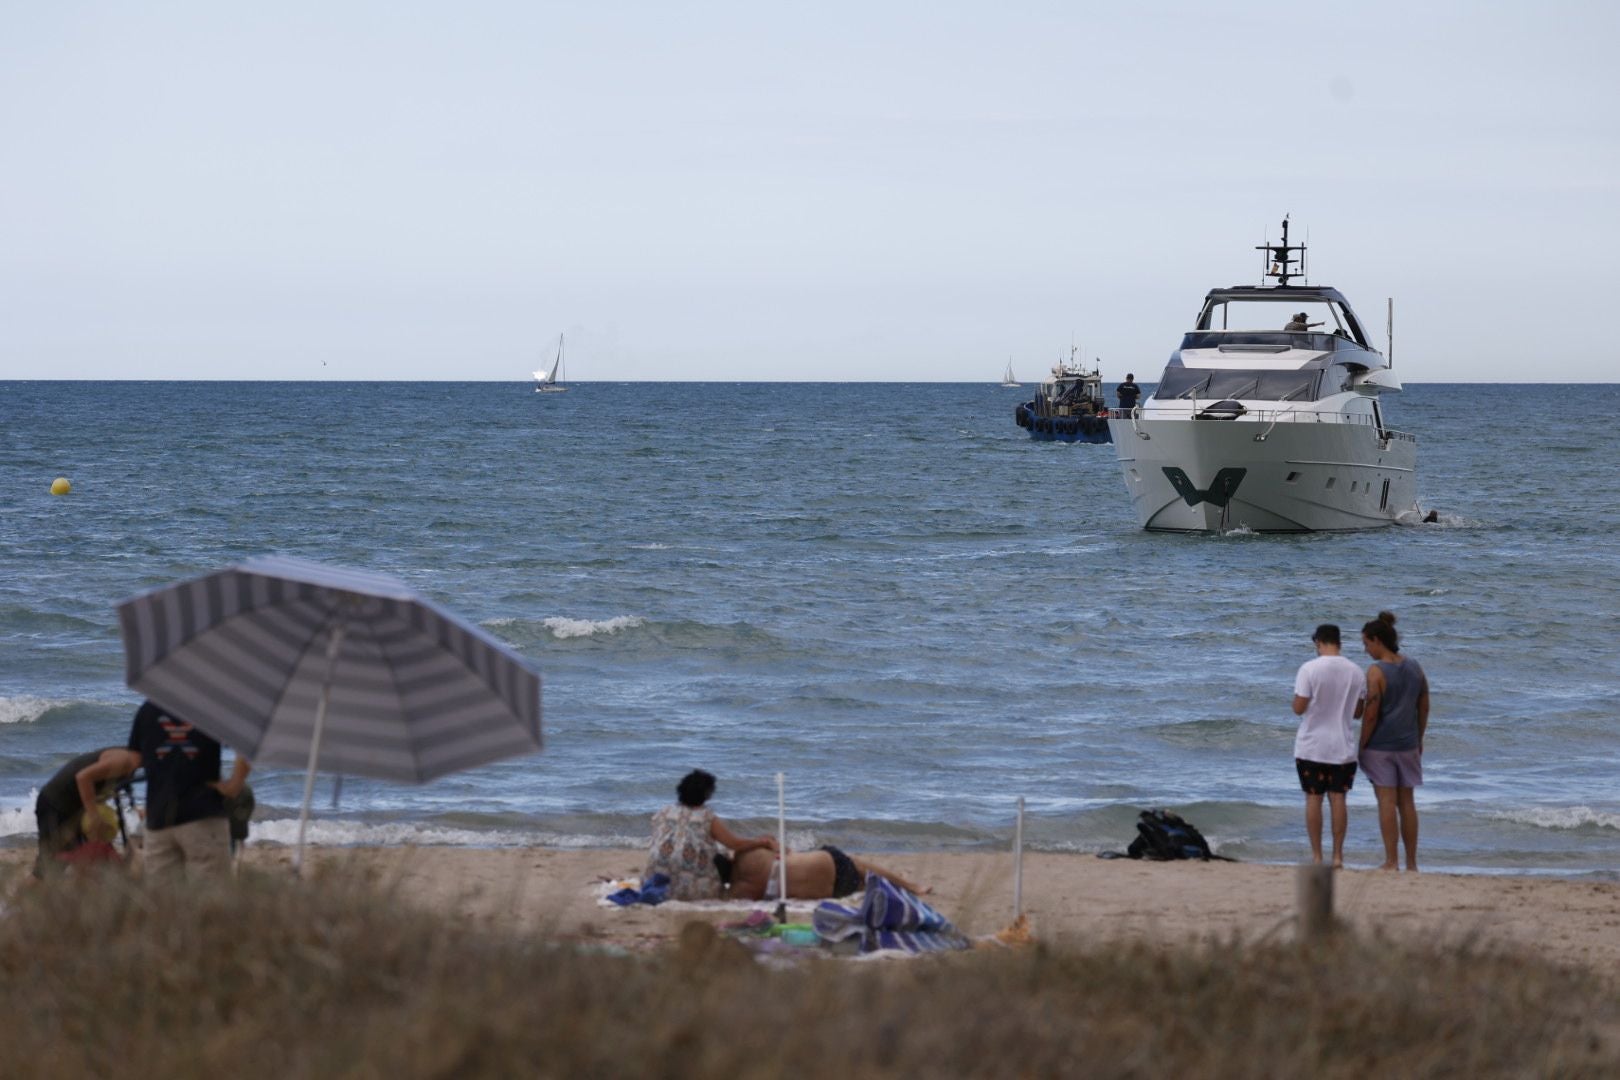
[1382,630]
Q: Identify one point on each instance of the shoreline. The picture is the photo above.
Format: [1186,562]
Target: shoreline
[1073,900]
[21,841]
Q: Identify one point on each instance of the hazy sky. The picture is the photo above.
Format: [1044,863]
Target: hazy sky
[763,191]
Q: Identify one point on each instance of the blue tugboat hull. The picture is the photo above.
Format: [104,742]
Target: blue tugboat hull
[1070,429]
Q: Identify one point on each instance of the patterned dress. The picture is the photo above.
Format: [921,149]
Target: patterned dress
[683,847]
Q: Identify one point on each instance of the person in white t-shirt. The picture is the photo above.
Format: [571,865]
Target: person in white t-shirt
[1329,693]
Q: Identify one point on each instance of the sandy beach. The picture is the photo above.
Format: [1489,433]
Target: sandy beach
[1071,899]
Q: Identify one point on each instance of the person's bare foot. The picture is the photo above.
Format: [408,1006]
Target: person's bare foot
[1338,864]
[1412,867]
[1389,866]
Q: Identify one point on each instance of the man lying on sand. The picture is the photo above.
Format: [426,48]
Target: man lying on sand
[824,874]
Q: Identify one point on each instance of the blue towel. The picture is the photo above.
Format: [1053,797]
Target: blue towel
[653,891]
[889,918]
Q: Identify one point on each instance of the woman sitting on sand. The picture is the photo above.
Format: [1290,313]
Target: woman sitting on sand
[823,874]
[684,837]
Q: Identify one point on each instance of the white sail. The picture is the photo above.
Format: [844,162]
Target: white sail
[548,381]
[1008,378]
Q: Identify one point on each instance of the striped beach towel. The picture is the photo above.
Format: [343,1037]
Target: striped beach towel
[889,918]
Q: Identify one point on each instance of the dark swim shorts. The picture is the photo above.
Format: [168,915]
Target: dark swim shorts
[846,879]
[1317,778]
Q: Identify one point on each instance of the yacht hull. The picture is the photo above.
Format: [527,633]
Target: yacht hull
[1192,475]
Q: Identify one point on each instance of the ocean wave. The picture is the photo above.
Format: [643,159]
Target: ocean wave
[17,618]
[18,820]
[1442,520]
[562,628]
[407,834]
[1561,817]
[635,633]
[26,710]
[1222,732]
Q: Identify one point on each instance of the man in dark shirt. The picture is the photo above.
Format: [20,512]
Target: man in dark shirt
[82,783]
[1128,393]
[185,800]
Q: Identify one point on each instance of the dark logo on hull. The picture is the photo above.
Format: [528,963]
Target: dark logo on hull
[1220,490]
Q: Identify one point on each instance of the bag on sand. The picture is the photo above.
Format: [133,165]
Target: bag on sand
[1163,835]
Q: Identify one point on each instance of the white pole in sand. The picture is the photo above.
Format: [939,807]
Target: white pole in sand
[781,847]
[334,642]
[1018,861]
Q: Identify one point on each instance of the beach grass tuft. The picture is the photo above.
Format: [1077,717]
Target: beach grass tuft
[268,977]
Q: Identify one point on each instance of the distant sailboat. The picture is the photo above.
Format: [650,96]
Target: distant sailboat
[1008,379]
[546,382]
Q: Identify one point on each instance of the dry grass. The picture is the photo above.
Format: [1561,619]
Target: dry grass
[268,978]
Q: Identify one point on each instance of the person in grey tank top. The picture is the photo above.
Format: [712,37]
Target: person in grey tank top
[1392,730]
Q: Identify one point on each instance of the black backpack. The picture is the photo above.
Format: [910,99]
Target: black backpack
[1162,835]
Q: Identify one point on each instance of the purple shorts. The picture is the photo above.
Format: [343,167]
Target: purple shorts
[1392,768]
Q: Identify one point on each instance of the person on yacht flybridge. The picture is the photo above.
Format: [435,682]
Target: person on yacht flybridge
[1299,322]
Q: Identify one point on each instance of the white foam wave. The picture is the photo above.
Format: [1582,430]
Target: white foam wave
[1442,520]
[361,833]
[571,628]
[25,710]
[649,547]
[1561,817]
[19,820]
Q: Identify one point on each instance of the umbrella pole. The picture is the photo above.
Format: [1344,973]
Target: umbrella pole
[1018,861]
[333,643]
[781,847]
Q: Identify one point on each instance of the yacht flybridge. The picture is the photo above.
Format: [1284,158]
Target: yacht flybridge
[1268,418]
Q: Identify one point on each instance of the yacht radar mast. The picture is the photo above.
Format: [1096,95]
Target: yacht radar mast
[1279,260]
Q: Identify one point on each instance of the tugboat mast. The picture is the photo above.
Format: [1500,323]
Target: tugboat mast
[1279,258]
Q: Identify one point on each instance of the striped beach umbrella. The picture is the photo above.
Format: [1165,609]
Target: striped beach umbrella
[304,665]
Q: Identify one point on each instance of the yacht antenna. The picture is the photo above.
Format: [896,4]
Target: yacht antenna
[1389,330]
[1280,258]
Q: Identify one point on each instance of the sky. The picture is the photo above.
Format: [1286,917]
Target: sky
[830,192]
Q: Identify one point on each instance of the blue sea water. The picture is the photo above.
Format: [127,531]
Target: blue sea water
[886,591]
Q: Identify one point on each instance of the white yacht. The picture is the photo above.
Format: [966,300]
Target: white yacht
[1268,418]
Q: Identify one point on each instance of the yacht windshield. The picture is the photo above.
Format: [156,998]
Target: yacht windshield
[1179,382]
[1283,312]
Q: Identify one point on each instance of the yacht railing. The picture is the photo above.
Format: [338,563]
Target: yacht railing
[1274,417]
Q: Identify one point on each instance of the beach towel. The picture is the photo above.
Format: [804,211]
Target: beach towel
[889,918]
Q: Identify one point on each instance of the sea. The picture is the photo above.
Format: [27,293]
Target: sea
[885,592]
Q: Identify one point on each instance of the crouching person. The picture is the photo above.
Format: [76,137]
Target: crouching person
[68,808]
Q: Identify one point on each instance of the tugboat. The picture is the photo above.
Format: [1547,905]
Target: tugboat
[1268,417]
[1068,407]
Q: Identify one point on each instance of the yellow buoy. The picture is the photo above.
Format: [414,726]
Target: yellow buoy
[60,486]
